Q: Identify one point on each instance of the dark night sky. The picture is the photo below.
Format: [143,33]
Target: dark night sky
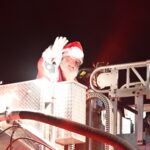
[114,31]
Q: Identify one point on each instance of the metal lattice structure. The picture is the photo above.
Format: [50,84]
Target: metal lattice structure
[65,99]
[129,84]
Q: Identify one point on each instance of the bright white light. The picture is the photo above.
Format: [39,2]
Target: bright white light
[8,99]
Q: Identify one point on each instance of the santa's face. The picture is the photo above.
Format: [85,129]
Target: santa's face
[70,67]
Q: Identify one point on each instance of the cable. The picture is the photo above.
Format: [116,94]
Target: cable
[8,129]
[11,137]
[72,126]
[5,130]
[24,138]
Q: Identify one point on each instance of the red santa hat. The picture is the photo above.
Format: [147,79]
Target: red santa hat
[74,49]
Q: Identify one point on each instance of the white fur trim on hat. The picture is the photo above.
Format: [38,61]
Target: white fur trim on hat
[74,52]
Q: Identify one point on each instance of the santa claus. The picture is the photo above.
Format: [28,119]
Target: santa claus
[61,61]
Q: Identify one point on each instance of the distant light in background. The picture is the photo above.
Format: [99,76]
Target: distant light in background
[128,23]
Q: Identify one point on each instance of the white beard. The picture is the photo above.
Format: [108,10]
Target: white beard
[69,74]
